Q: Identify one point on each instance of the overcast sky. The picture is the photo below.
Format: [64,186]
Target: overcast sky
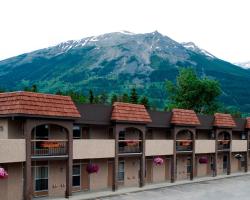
[222,27]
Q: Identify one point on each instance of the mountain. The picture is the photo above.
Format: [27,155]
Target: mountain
[115,62]
[245,65]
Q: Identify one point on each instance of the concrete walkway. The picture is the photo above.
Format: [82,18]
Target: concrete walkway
[108,193]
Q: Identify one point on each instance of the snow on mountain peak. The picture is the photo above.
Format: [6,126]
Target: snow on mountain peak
[193,47]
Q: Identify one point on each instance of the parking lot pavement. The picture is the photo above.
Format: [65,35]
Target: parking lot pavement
[236,188]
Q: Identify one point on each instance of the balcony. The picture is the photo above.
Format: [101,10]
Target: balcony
[204,146]
[239,145]
[159,147]
[12,150]
[223,145]
[129,146]
[93,148]
[49,148]
[184,145]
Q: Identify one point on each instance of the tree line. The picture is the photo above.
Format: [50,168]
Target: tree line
[189,91]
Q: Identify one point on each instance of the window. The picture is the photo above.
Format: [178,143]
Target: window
[76,179]
[122,135]
[189,165]
[42,132]
[76,132]
[121,171]
[41,178]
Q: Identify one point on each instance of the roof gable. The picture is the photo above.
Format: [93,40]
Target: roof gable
[224,120]
[130,113]
[184,117]
[29,103]
[248,122]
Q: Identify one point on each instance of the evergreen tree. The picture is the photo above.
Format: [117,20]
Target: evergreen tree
[114,98]
[104,98]
[125,98]
[91,96]
[144,101]
[133,96]
[96,99]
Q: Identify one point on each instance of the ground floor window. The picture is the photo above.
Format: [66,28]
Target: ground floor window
[76,175]
[189,165]
[121,171]
[41,178]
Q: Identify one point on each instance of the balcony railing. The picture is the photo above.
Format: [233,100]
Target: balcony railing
[129,146]
[49,147]
[223,145]
[184,145]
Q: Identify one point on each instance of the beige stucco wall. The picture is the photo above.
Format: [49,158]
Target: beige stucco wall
[204,146]
[93,148]
[15,129]
[159,172]
[181,162]
[12,150]
[12,187]
[132,166]
[220,164]
[4,132]
[235,164]
[239,145]
[159,147]
[99,180]
[57,178]
[202,169]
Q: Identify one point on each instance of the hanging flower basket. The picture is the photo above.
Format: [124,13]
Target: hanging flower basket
[158,161]
[238,156]
[92,168]
[186,143]
[203,160]
[132,143]
[3,173]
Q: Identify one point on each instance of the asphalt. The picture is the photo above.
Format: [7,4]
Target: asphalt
[234,188]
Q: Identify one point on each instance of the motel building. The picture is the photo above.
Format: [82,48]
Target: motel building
[51,147]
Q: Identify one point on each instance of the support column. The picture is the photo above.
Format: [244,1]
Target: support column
[193,157]
[68,192]
[246,161]
[216,155]
[247,153]
[27,171]
[230,156]
[173,160]
[116,161]
[142,161]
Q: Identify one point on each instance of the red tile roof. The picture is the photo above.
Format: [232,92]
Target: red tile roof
[29,103]
[184,117]
[130,113]
[248,122]
[224,120]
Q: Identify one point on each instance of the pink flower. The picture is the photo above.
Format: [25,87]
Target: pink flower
[158,161]
[3,173]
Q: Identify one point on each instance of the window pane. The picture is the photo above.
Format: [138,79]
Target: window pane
[41,172]
[76,181]
[121,171]
[42,132]
[41,184]
[76,132]
[76,170]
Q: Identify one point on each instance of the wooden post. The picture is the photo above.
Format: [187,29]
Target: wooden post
[27,176]
[173,160]
[230,156]
[116,161]
[216,155]
[142,161]
[193,157]
[69,165]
